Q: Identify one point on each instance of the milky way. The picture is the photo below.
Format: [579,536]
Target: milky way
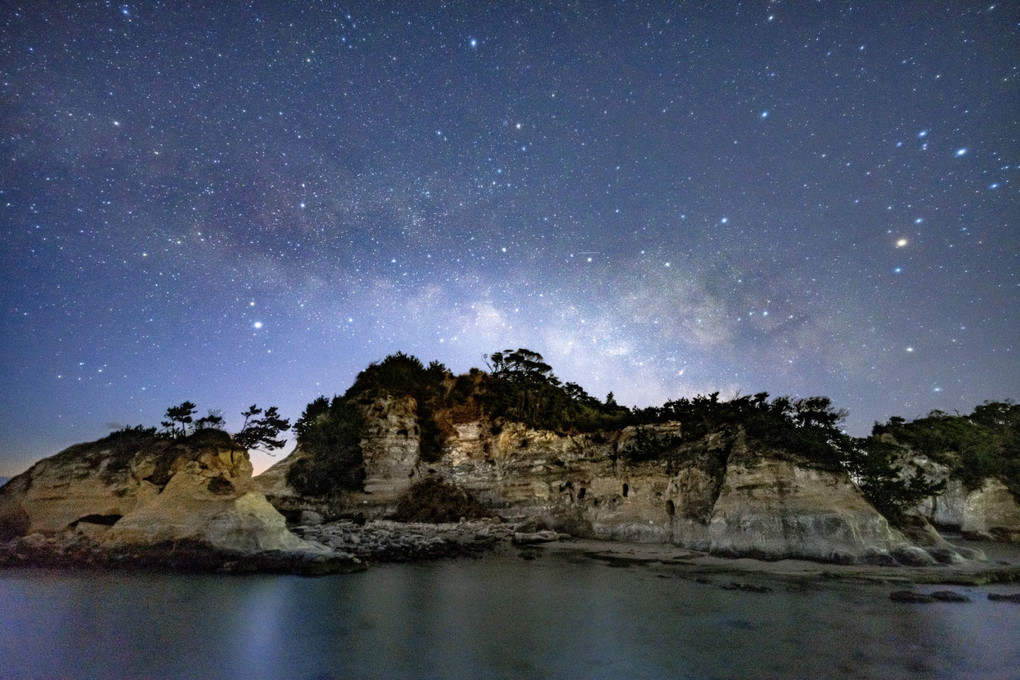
[249,202]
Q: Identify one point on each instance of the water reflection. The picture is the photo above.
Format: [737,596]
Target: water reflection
[493,618]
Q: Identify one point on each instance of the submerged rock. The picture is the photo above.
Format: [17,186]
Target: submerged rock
[911,597]
[949,596]
[1013,597]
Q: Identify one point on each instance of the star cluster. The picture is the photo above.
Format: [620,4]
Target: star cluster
[249,202]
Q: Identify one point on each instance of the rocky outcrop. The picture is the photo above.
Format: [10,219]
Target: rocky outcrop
[144,491]
[988,512]
[718,494]
[390,449]
[776,508]
[390,446]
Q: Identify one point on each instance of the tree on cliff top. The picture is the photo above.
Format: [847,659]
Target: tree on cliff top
[330,433]
[262,429]
[178,418]
[524,388]
[975,447]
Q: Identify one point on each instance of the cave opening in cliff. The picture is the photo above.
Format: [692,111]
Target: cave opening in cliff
[102,520]
[626,489]
[670,508]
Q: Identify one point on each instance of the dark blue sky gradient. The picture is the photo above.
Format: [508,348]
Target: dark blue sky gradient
[248,202]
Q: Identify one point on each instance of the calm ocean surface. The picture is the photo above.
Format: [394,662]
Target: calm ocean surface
[554,617]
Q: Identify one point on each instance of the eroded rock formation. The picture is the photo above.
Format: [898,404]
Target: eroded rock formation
[139,490]
[990,511]
[719,494]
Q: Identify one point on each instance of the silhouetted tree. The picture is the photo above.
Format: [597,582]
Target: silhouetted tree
[213,420]
[262,432]
[178,418]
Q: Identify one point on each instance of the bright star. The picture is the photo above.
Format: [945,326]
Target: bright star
[961,151]
[473,42]
[901,242]
[257,325]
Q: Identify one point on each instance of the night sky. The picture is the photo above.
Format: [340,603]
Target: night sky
[249,202]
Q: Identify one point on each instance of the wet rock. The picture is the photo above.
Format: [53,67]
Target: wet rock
[911,597]
[309,518]
[746,587]
[949,596]
[912,556]
[1013,597]
[546,536]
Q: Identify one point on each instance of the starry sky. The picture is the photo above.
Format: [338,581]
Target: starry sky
[237,202]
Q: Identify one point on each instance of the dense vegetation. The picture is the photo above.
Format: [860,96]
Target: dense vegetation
[330,432]
[982,444]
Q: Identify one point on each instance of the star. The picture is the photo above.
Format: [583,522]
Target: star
[384,197]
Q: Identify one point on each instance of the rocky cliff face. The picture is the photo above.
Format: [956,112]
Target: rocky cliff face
[128,490]
[719,494]
[990,511]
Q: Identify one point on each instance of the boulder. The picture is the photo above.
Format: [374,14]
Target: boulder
[538,537]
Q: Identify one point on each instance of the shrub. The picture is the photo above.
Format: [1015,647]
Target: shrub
[432,500]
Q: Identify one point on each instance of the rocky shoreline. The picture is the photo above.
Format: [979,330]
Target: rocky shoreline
[347,546]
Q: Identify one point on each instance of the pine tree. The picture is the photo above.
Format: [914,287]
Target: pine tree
[262,432]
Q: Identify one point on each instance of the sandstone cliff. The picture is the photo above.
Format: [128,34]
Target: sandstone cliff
[974,457]
[720,494]
[131,489]
[988,511]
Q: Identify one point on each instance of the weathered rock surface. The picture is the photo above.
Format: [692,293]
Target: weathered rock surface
[123,492]
[990,511]
[775,509]
[390,447]
[717,495]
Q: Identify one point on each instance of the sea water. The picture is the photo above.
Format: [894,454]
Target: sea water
[498,617]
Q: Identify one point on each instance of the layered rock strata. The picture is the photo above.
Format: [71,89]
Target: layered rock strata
[144,491]
[720,494]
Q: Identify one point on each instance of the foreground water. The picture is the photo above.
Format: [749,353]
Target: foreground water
[499,617]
